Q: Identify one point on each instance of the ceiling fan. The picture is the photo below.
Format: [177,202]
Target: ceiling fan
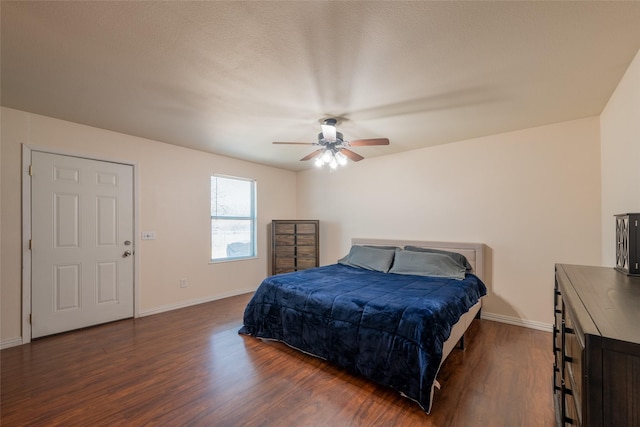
[333,149]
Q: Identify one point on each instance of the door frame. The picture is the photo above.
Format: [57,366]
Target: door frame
[27,149]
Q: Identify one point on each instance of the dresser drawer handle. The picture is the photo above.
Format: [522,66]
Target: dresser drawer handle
[569,331]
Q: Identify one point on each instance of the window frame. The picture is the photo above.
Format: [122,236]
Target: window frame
[253,219]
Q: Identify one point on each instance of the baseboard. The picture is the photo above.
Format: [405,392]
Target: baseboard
[12,342]
[189,303]
[540,326]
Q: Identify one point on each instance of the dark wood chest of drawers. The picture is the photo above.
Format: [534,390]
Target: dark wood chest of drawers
[596,344]
[294,245]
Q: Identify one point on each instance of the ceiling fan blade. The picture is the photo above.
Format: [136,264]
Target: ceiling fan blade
[373,141]
[351,155]
[295,143]
[311,155]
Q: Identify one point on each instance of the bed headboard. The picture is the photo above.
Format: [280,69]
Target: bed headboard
[474,252]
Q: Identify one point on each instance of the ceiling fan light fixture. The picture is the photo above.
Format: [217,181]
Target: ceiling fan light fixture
[327,155]
[330,157]
[341,158]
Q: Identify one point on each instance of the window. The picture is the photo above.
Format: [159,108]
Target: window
[233,218]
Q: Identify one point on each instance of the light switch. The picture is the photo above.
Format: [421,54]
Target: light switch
[149,235]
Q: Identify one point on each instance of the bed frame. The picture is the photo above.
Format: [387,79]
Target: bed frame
[474,252]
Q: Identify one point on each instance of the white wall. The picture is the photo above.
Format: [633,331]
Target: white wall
[620,133]
[174,201]
[532,196]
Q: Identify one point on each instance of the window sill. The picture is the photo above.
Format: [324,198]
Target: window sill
[223,260]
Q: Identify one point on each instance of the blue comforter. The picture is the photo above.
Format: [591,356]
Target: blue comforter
[389,328]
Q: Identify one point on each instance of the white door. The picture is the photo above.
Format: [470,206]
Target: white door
[82,242]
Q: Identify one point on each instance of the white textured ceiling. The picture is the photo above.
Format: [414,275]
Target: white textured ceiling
[231,77]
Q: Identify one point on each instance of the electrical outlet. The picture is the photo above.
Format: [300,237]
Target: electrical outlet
[183,283]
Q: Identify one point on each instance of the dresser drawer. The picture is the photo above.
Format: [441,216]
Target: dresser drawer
[285,239]
[285,263]
[306,228]
[285,251]
[304,263]
[557,332]
[557,376]
[307,251]
[284,228]
[573,359]
[571,414]
[306,239]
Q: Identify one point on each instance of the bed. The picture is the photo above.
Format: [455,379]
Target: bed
[391,310]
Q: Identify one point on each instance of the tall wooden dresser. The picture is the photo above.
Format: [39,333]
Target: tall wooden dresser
[596,343]
[294,245]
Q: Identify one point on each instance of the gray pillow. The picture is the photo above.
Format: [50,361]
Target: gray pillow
[459,258]
[369,258]
[386,248]
[427,264]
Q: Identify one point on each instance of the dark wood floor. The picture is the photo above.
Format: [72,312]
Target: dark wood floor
[189,367]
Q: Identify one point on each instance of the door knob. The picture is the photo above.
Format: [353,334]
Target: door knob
[126,253]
